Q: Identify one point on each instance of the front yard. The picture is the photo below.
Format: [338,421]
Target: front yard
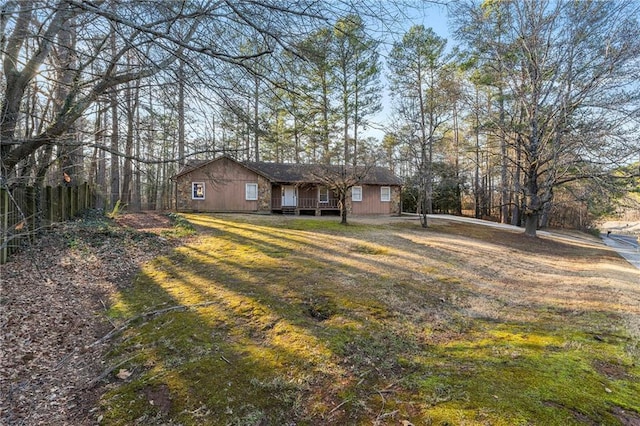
[279,320]
[273,320]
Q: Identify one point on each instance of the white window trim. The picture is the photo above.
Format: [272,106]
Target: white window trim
[193,185]
[353,193]
[247,194]
[385,197]
[320,191]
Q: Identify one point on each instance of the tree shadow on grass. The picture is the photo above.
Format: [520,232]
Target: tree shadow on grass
[282,336]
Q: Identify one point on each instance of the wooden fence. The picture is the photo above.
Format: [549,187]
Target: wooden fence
[27,210]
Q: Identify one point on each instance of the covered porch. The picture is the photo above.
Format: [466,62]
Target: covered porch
[306,199]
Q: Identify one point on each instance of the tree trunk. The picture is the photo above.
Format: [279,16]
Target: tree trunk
[296,139]
[476,190]
[533,200]
[181,151]
[424,219]
[504,166]
[115,134]
[136,201]
[546,213]
[68,152]
[423,210]
[150,189]
[422,207]
[355,122]
[346,134]
[531,224]
[256,123]
[101,173]
[326,105]
[343,210]
[115,160]
[456,140]
[429,183]
[515,214]
[93,168]
[127,170]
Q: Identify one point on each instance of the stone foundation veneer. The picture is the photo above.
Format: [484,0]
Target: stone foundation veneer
[395,200]
[264,195]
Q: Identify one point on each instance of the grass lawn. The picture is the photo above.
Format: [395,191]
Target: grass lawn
[289,321]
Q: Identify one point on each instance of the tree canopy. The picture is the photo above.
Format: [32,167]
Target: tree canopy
[532,99]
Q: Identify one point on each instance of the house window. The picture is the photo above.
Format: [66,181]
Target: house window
[385,193]
[356,193]
[197,190]
[323,195]
[251,191]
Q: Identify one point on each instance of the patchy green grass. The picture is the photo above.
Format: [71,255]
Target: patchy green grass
[180,227]
[271,320]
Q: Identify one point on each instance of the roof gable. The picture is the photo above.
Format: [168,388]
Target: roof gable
[199,164]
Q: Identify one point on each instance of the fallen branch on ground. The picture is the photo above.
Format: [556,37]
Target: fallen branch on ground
[106,372]
[145,315]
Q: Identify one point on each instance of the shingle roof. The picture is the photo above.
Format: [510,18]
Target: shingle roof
[299,173]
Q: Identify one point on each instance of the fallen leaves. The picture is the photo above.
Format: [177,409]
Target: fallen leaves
[51,316]
[123,374]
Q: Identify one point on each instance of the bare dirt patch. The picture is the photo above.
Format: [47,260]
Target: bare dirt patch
[145,221]
[627,418]
[159,396]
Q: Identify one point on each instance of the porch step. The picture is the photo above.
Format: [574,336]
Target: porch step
[288,210]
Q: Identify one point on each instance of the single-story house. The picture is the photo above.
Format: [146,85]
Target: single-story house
[227,185]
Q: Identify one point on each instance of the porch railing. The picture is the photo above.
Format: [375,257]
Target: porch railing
[306,203]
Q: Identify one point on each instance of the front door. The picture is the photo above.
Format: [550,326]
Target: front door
[289,196]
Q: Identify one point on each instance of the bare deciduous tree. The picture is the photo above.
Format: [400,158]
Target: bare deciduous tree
[156,34]
[569,73]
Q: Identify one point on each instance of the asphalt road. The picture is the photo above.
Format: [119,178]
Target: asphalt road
[625,239]
[625,245]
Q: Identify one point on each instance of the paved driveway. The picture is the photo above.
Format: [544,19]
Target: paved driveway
[626,246]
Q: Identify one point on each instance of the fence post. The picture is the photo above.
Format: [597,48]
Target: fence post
[18,214]
[55,204]
[88,197]
[4,213]
[62,203]
[74,201]
[81,203]
[30,211]
[48,206]
[69,194]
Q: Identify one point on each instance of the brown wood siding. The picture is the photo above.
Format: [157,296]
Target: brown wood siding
[371,203]
[224,188]
[225,191]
